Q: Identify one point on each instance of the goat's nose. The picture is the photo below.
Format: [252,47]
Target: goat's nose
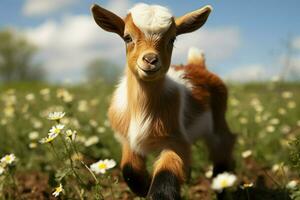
[150,58]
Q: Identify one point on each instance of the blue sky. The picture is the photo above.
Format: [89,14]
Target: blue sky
[240,38]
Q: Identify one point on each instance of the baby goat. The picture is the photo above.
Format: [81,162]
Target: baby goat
[162,110]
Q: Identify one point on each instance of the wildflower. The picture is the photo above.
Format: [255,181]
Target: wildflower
[8,159]
[45,91]
[102,165]
[282,111]
[101,129]
[243,120]
[9,111]
[291,104]
[285,129]
[258,118]
[223,181]
[274,121]
[287,94]
[64,95]
[233,101]
[30,97]
[56,116]
[32,145]
[93,123]
[70,134]
[247,185]
[49,138]
[91,141]
[82,106]
[275,168]
[56,129]
[37,124]
[209,172]
[270,129]
[58,190]
[1,170]
[292,184]
[106,123]
[33,135]
[246,154]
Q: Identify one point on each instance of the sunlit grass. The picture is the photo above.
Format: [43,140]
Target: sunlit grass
[265,117]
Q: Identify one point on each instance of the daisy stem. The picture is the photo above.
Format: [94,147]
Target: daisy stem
[55,153]
[71,161]
[90,171]
[13,180]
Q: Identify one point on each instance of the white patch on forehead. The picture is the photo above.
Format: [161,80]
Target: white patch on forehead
[151,19]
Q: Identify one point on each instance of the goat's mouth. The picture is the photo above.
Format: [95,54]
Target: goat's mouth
[148,70]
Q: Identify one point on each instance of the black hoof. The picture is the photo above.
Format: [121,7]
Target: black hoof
[138,183]
[165,186]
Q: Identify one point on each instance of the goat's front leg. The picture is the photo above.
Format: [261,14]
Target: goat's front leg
[134,171]
[170,172]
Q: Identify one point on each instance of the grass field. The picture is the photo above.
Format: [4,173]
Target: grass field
[265,117]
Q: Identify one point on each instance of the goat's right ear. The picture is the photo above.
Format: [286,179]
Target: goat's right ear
[108,20]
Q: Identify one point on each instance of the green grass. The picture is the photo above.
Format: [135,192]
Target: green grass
[265,116]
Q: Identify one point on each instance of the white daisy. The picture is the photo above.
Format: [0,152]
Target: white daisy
[56,129]
[56,116]
[33,135]
[8,159]
[246,154]
[101,166]
[91,141]
[71,134]
[58,190]
[50,138]
[292,184]
[223,181]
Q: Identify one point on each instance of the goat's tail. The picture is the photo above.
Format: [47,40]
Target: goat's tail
[196,57]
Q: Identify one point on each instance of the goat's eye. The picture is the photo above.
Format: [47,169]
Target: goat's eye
[127,38]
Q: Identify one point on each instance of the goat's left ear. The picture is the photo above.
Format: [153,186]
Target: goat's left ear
[108,20]
[193,20]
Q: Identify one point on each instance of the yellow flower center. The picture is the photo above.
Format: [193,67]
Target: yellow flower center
[102,166]
[7,159]
[224,183]
[57,131]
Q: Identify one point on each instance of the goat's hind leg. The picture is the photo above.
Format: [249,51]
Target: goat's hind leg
[134,171]
[220,146]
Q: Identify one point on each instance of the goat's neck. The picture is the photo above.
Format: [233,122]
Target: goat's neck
[143,95]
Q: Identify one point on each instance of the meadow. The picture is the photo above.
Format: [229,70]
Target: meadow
[264,116]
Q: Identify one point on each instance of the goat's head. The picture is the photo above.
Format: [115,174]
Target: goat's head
[149,33]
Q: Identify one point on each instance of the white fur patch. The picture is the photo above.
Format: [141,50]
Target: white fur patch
[120,96]
[177,76]
[151,19]
[195,53]
[138,131]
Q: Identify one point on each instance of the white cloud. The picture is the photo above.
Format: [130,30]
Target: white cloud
[119,7]
[217,43]
[44,7]
[254,72]
[68,45]
[296,43]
